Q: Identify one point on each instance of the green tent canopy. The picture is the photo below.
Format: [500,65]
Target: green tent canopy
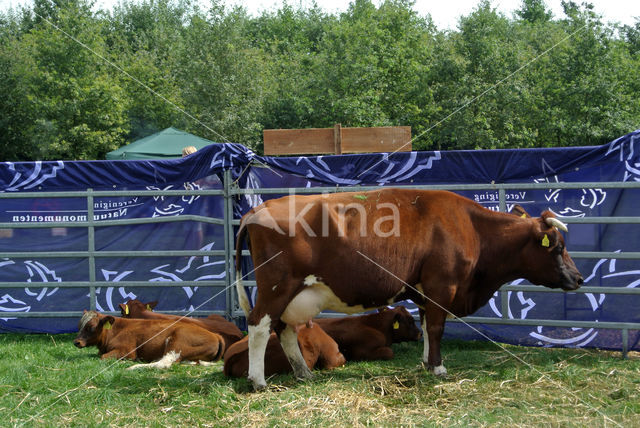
[161,145]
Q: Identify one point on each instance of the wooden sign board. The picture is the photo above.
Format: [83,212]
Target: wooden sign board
[336,140]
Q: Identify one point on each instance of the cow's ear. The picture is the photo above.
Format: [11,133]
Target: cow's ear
[124,309]
[106,322]
[151,305]
[519,211]
[396,320]
[547,236]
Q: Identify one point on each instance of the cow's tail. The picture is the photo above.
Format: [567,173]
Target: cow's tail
[243,299]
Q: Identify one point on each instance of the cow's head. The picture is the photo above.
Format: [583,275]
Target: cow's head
[546,259]
[134,308]
[90,328]
[404,327]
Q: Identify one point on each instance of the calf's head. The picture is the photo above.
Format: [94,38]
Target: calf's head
[134,308]
[546,259]
[90,328]
[404,327]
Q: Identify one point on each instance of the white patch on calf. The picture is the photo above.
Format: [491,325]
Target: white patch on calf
[312,300]
[86,317]
[163,363]
[310,280]
[258,338]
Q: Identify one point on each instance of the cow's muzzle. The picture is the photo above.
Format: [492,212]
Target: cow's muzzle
[79,343]
[573,284]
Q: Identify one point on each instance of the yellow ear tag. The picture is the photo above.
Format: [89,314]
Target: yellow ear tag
[396,325]
[149,308]
[545,241]
[523,216]
[126,309]
[107,326]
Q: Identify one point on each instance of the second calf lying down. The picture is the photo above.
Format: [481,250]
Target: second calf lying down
[318,350]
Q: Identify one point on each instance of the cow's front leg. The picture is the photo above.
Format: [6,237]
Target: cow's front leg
[432,322]
[289,342]
[258,338]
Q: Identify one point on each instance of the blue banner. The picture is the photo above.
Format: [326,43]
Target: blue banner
[616,161]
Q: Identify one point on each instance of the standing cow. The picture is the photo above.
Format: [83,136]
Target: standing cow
[354,251]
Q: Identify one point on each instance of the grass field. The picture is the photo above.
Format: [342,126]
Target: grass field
[45,381]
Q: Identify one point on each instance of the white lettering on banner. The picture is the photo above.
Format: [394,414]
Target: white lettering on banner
[28,218]
[494,197]
[106,205]
[490,198]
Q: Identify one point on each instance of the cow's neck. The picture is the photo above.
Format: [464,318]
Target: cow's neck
[106,336]
[503,237]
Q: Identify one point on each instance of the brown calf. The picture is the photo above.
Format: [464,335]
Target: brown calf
[214,323]
[369,337]
[162,341]
[318,349]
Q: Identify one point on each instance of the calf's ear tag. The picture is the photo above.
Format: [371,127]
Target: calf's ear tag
[396,325]
[107,326]
[523,216]
[545,241]
[149,307]
[126,309]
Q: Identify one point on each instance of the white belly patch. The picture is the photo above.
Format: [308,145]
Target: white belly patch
[312,300]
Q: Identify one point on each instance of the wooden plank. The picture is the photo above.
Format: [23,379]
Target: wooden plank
[375,140]
[309,141]
[339,140]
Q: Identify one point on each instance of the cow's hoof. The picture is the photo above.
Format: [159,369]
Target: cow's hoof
[440,370]
[302,372]
[258,385]
[304,376]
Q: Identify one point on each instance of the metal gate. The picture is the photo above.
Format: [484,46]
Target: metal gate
[230,191]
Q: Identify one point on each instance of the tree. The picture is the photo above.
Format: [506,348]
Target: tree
[70,106]
[144,39]
[534,11]
[222,77]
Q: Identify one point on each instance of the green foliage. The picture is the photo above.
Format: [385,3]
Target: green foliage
[77,83]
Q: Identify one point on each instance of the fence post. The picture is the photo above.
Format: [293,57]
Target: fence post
[504,295]
[229,277]
[91,248]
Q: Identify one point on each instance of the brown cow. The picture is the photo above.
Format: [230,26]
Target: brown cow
[214,323]
[369,337]
[317,348]
[162,341]
[353,251]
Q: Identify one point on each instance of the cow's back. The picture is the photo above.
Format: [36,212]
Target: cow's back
[398,229]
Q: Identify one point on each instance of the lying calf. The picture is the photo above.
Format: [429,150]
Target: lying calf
[369,337]
[162,341]
[214,323]
[318,349]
